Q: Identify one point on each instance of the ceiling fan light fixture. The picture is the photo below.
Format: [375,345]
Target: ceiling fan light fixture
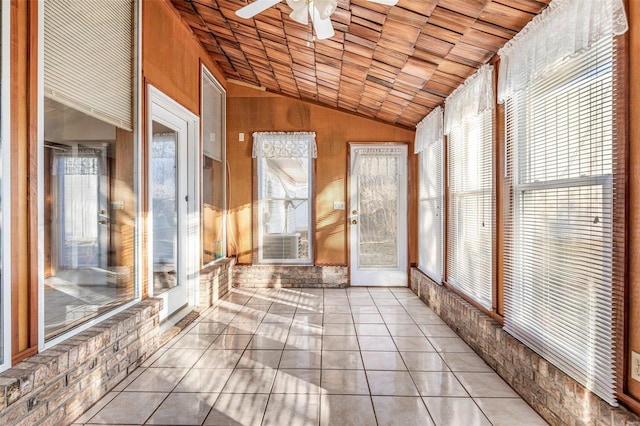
[300,15]
[325,8]
[296,4]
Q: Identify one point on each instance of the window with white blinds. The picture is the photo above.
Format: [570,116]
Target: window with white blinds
[470,216]
[430,211]
[428,144]
[559,244]
[88,58]
[213,174]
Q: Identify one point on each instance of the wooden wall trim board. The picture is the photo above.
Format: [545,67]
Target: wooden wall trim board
[620,209]
[24,278]
[633,265]
[501,195]
[498,318]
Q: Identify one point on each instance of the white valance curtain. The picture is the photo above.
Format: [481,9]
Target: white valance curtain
[284,145]
[564,29]
[473,97]
[429,130]
[377,162]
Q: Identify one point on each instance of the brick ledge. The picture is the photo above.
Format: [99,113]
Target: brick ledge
[558,398]
[60,383]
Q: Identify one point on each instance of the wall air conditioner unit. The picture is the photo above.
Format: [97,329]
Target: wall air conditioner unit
[280,246]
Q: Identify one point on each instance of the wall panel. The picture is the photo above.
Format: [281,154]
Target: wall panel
[251,110]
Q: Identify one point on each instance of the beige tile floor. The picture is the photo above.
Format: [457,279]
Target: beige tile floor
[360,356]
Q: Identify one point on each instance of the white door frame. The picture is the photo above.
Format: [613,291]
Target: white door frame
[387,277]
[164,110]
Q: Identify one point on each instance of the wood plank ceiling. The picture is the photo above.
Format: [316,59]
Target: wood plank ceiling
[394,64]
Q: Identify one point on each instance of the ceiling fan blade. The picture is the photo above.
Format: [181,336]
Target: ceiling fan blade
[385,2]
[252,9]
[322,27]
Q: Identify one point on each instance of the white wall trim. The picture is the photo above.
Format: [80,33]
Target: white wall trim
[159,103]
[5,126]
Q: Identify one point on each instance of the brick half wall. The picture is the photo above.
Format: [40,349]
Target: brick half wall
[556,396]
[57,385]
[215,282]
[288,276]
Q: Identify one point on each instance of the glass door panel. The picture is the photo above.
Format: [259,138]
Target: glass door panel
[163,188]
[88,245]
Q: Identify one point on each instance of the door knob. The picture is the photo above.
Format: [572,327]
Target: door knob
[354,222]
[354,212]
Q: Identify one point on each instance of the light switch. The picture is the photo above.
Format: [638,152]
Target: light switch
[241,137]
[338,205]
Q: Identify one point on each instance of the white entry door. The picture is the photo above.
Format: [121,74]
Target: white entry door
[378,215]
[173,202]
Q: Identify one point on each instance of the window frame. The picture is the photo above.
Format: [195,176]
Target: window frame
[5,210]
[433,233]
[604,183]
[39,317]
[206,74]
[258,252]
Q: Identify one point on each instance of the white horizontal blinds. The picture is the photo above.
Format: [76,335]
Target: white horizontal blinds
[470,230]
[212,117]
[558,283]
[428,143]
[430,212]
[88,57]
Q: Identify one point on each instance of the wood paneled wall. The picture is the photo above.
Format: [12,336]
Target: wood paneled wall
[24,284]
[171,55]
[251,110]
[171,62]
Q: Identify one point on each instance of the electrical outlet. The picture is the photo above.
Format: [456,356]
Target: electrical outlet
[635,366]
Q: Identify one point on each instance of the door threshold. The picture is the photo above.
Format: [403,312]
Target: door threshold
[173,319]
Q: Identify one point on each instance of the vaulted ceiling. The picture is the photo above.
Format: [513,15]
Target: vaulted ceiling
[394,63]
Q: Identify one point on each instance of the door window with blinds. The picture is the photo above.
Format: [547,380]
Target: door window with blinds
[284,167]
[213,169]
[561,235]
[468,124]
[428,144]
[87,170]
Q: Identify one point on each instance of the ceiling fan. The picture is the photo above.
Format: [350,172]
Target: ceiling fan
[319,10]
